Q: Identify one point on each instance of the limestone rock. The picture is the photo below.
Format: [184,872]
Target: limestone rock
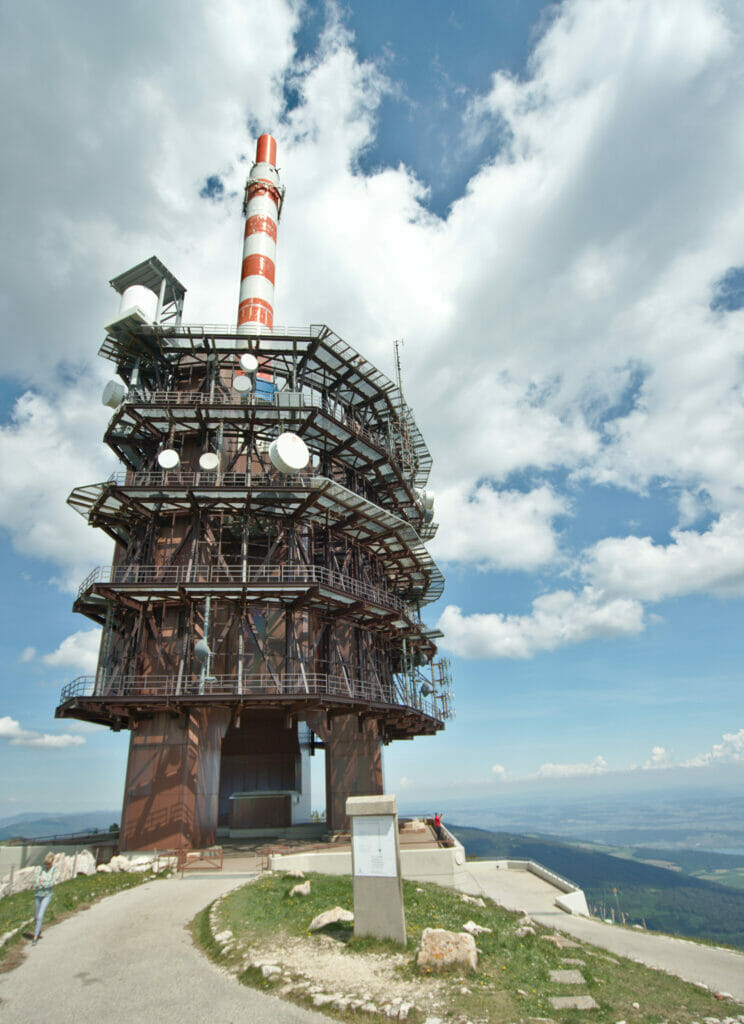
[223,937]
[295,873]
[573,1003]
[270,970]
[475,929]
[441,949]
[526,929]
[301,889]
[567,977]
[330,917]
[560,942]
[322,998]
[475,900]
[122,863]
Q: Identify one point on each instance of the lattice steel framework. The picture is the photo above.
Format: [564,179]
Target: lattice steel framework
[307,588]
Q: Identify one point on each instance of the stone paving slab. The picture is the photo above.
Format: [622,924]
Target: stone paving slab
[573,1003]
[561,977]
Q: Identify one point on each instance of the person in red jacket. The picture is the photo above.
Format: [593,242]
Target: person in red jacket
[438,825]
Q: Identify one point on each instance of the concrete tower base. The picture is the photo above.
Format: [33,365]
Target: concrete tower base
[172,785]
[353,762]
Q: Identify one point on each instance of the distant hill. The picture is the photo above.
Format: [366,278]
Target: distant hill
[668,901]
[28,826]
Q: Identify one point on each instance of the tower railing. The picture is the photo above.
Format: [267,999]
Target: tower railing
[134,574]
[337,410]
[169,689]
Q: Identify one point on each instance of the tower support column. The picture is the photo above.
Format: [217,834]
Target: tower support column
[353,762]
[172,786]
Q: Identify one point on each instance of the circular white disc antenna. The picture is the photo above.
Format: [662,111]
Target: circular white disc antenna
[248,362]
[201,650]
[242,383]
[209,461]
[289,453]
[168,458]
[113,394]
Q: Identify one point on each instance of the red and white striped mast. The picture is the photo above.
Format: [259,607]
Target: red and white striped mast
[261,207]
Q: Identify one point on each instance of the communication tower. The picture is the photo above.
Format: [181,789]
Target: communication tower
[269,563]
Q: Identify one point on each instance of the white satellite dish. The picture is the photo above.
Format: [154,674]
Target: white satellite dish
[168,458]
[242,383]
[113,394]
[427,500]
[248,362]
[209,461]
[289,453]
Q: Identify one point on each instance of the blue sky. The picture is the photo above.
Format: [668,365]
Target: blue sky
[546,203]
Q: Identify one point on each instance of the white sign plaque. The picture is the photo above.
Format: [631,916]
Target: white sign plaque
[374,846]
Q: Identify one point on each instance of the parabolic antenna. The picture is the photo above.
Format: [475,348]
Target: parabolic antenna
[248,362]
[289,453]
[209,461]
[113,394]
[427,500]
[168,458]
[242,383]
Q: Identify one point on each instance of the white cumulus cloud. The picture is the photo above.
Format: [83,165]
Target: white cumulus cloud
[636,567]
[564,771]
[11,730]
[79,651]
[660,758]
[494,529]
[729,751]
[556,620]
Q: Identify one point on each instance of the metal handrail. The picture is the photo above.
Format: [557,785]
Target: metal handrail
[335,409]
[204,478]
[296,684]
[237,573]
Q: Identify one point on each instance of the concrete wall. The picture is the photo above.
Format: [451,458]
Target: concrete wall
[445,867]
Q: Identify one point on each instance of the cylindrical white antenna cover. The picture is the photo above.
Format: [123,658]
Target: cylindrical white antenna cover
[289,453]
[201,650]
[144,298]
[168,458]
[242,383]
[209,461]
[113,394]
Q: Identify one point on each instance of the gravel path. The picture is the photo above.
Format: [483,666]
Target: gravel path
[98,966]
[722,970]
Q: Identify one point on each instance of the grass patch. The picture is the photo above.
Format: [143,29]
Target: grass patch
[513,977]
[17,911]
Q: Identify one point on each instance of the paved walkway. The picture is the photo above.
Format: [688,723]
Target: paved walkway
[131,958]
[722,970]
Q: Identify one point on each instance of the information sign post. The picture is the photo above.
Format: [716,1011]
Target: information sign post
[375,858]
